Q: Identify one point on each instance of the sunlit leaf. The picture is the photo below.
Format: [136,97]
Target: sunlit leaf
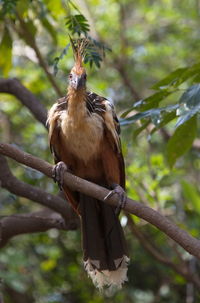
[167,117]
[55,7]
[177,77]
[170,79]
[77,24]
[191,194]
[149,102]
[189,104]
[6,52]
[155,114]
[48,265]
[22,6]
[189,73]
[182,140]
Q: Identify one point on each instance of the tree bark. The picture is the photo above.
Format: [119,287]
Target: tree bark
[189,243]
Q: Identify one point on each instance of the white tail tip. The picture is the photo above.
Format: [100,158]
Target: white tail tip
[113,280]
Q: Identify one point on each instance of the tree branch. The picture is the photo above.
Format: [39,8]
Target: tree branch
[181,268]
[22,189]
[26,35]
[63,218]
[40,221]
[75,183]
[120,67]
[14,87]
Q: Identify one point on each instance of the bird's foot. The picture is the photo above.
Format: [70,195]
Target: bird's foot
[118,190]
[58,173]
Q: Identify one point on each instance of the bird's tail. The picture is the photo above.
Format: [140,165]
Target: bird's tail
[104,246]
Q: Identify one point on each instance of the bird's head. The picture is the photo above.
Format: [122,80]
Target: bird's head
[78,76]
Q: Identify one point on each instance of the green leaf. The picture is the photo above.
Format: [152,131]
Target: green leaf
[140,129]
[151,101]
[22,6]
[7,7]
[155,114]
[6,53]
[191,194]
[177,77]
[170,79]
[55,8]
[92,56]
[77,24]
[189,73]
[48,265]
[167,117]
[124,114]
[135,118]
[189,104]
[196,78]
[181,141]
[192,96]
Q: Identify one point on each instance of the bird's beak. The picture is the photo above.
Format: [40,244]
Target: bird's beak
[77,82]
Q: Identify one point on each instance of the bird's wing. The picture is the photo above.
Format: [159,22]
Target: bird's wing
[53,123]
[54,127]
[112,157]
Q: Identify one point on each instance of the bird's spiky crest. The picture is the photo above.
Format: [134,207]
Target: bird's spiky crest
[79,47]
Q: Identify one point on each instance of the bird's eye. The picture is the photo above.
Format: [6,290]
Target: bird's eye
[70,76]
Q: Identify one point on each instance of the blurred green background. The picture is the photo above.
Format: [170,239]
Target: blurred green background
[149,40]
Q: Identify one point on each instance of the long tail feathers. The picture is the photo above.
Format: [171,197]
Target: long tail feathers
[104,247]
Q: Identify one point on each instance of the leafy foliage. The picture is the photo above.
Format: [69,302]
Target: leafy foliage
[182,140]
[77,24]
[187,107]
[94,53]
[7,7]
[189,104]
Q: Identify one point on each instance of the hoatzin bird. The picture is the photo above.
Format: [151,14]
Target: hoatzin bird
[84,139]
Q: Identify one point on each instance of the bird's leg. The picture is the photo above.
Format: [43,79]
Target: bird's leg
[118,190]
[58,173]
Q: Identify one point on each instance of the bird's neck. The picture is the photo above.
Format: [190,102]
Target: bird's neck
[76,103]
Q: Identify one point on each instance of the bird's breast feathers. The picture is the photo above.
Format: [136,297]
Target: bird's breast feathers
[82,134]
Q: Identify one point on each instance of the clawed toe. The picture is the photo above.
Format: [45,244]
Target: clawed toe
[58,173]
[122,197]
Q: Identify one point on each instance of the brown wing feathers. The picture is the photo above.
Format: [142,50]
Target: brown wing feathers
[111,150]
